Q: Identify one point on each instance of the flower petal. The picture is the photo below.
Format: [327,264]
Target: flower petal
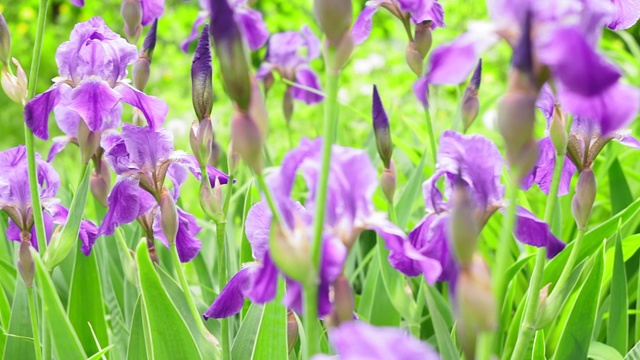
[151,10]
[265,282]
[231,298]
[37,110]
[626,14]
[94,100]
[307,78]
[187,244]
[252,27]
[362,27]
[202,17]
[146,147]
[124,205]
[542,172]
[154,109]
[532,231]
[88,235]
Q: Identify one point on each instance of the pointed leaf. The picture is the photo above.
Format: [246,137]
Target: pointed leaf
[600,351]
[446,347]
[620,194]
[19,344]
[137,346]
[409,194]
[618,328]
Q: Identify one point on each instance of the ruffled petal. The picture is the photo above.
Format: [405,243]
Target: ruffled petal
[124,205]
[94,100]
[146,147]
[88,235]
[153,109]
[542,172]
[532,231]
[627,13]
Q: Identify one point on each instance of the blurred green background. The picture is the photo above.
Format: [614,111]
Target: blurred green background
[380,60]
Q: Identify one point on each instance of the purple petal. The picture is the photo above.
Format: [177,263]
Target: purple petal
[59,143]
[312,42]
[576,64]
[424,10]
[37,110]
[231,298]
[146,147]
[542,172]
[124,205]
[258,228]
[78,3]
[187,244]
[433,200]
[532,231]
[88,235]
[625,138]
[94,101]
[421,91]
[153,109]
[362,27]
[451,64]
[307,78]
[626,14]
[358,340]
[252,27]
[265,282]
[430,238]
[546,102]
[151,10]
[194,32]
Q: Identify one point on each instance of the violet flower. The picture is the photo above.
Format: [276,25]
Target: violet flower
[143,158]
[482,180]
[352,182]
[564,42]
[419,11]
[15,200]
[93,69]
[151,9]
[585,135]
[289,53]
[253,28]
[356,340]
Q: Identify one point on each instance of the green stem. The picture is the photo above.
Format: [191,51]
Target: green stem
[527,329]
[311,325]
[28,135]
[34,323]
[222,274]
[573,257]
[432,136]
[392,212]
[187,294]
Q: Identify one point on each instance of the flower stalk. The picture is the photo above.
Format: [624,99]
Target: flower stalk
[34,323]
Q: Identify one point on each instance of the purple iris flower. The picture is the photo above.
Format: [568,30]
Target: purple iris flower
[457,165]
[586,135]
[253,28]
[352,182]
[419,11]
[92,82]
[143,158]
[289,53]
[355,340]
[15,199]
[565,39]
[151,9]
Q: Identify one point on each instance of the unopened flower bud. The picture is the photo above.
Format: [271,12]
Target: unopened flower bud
[583,200]
[214,157]
[290,251]
[381,128]
[341,51]
[470,105]
[100,183]
[201,74]
[268,81]
[558,131]
[212,200]
[149,43]
[25,263]
[89,141]
[476,306]
[414,59]
[516,120]
[463,225]
[15,86]
[388,181]
[248,140]
[141,72]
[258,109]
[343,301]
[168,216]
[131,11]
[287,105]
[523,52]
[292,330]
[423,37]
[232,159]
[5,42]
[522,162]
[334,18]
[231,53]
[201,139]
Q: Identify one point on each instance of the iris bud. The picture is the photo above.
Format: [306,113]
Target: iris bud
[334,18]
[583,200]
[287,105]
[100,183]
[516,120]
[15,86]
[168,216]
[5,41]
[214,158]
[414,59]
[89,141]
[558,131]
[290,251]
[25,263]
[201,74]
[201,139]
[248,140]
[141,72]
[381,128]
[292,330]
[463,225]
[470,104]
[423,38]
[232,159]
[476,306]
[343,301]
[131,11]
[388,181]
[212,200]
[341,52]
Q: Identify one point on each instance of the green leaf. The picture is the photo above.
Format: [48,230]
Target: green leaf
[618,328]
[578,331]
[538,347]
[19,328]
[64,338]
[394,284]
[620,194]
[409,194]
[263,333]
[86,305]
[446,347]
[634,353]
[600,351]
[165,328]
[60,246]
[137,347]
[375,306]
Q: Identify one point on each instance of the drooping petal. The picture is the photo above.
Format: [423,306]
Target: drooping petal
[151,10]
[146,147]
[94,100]
[187,244]
[257,227]
[88,235]
[37,110]
[231,298]
[421,91]
[252,27]
[362,27]
[627,139]
[265,282]
[626,14]
[124,205]
[154,109]
[532,231]
[307,78]
[542,172]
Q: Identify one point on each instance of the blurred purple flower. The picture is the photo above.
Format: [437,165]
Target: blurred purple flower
[355,340]
[418,10]
[151,9]
[352,182]
[289,53]
[15,199]
[482,179]
[92,83]
[585,132]
[565,42]
[253,28]
[143,158]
